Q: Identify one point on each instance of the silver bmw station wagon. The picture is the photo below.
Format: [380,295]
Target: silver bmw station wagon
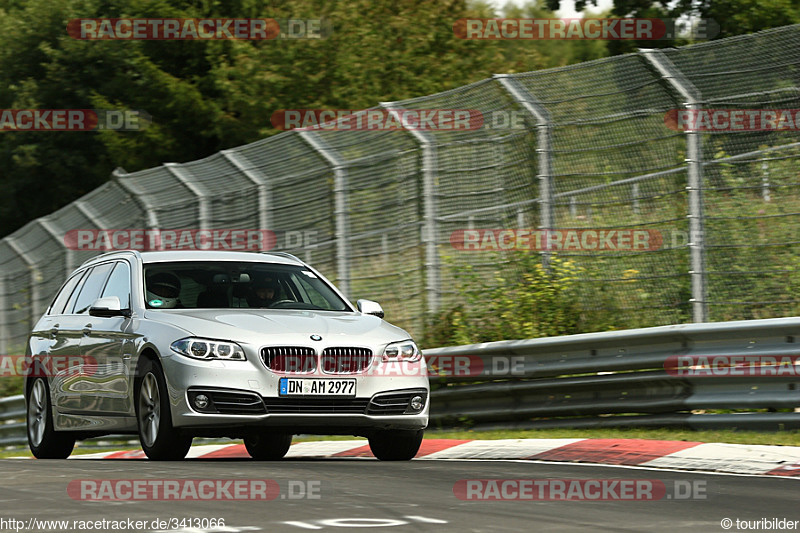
[183,344]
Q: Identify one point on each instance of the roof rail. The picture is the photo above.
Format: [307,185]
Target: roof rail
[287,255]
[95,258]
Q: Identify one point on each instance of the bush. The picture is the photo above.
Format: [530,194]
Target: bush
[527,302]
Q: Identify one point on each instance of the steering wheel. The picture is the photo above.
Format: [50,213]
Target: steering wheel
[273,304]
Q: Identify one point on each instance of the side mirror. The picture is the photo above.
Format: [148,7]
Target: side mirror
[368,307]
[108,307]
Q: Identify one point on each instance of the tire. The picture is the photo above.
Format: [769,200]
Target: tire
[44,441]
[395,445]
[268,446]
[159,439]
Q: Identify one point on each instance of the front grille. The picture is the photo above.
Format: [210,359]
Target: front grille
[345,360]
[289,358]
[317,405]
[228,402]
[394,403]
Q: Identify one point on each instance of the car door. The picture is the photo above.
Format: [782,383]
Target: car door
[73,390]
[47,343]
[109,342]
[66,333]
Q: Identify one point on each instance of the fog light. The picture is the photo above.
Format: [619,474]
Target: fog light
[201,401]
[417,403]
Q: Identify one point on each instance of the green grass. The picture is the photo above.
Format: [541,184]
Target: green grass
[784,438]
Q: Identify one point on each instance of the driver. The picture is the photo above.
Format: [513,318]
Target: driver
[163,290]
[263,293]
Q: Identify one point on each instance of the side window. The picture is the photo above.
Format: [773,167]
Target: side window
[66,291]
[90,291]
[119,285]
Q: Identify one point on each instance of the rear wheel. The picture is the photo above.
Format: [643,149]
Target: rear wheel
[44,441]
[159,439]
[395,445]
[268,446]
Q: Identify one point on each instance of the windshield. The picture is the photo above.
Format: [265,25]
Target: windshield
[226,284]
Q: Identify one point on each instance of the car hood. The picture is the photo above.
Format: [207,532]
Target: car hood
[277,327]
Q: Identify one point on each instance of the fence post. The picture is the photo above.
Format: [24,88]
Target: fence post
[544,151]
[694,167]
[34,279]
[185,177]
[150,211]
[68,254]
[241,164]
[3,318]
[341,207]
[429,209]
[81,206]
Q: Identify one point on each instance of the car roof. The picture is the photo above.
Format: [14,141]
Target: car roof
[201,255]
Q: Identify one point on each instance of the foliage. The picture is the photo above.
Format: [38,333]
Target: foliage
[205,96]
[529,302]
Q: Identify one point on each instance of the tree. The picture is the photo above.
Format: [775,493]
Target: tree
[205,96]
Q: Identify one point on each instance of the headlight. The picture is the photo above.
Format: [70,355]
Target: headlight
[402,351]
[208,349]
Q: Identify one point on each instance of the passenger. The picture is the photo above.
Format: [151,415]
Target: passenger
[163,291]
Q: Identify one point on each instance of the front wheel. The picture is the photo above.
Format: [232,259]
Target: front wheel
[268,446]
[159,439]
[44,441]
[395,445]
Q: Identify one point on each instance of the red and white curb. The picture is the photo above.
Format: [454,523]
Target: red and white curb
[674,455]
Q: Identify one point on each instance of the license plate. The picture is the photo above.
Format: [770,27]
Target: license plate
[317,387]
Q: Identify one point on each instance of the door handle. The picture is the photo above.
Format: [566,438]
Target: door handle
[87,329]
[54,331]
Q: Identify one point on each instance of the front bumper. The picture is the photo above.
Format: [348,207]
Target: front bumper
[185,375]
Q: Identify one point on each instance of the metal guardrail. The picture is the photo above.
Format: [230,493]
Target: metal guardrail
[618,378]
[609,379]
[12,420]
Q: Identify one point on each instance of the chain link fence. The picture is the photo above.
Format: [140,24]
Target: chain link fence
[592,152]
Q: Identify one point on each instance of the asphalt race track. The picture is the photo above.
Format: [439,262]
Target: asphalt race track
[356,493]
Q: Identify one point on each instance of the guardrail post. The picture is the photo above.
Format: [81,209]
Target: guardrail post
[429,228]
[150,211]
[544,150]
[241,164]
[69,255]
[4,311]
[341,209]
[185,177]
[35,277]
[89,213]
[694,164]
